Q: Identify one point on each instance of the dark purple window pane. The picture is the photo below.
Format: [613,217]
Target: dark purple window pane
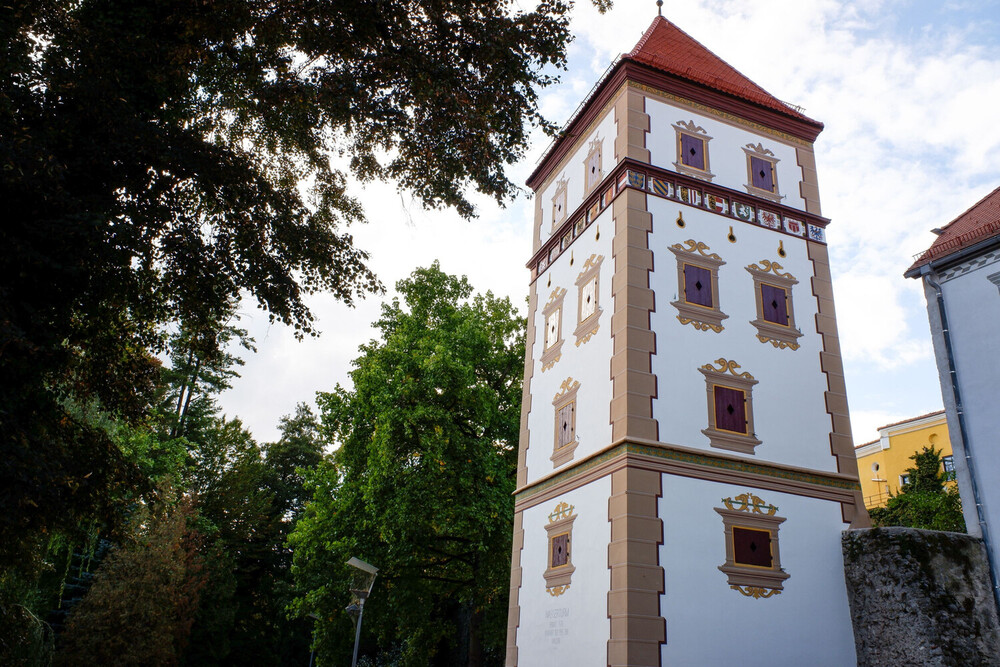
[566,425]
[698,285]
[773,304]
[763,176]
[560,550]
[730,411]
[752,547]
[692,152]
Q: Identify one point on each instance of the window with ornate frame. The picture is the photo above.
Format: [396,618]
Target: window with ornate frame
[592,168]
[566,440]
[692,150]
[588,299]
[697,301]
[753,562]
[559,557]
[762,172]
[559,211]
[552,339]
[775,321]
[730,407]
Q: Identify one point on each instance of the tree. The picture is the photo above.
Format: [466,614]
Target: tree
[925,501]
[161,159]
[145,596]
[422,483]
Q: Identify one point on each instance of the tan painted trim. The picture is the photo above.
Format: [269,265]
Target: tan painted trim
[634,385]
[536,234]
[690,462]
[809,185]
[632,124]
[529,369]
[514,608]
[638,628]
[841,441]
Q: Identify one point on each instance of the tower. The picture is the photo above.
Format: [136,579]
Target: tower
[685,465]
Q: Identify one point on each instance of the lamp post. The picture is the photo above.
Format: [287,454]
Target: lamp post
[362,578]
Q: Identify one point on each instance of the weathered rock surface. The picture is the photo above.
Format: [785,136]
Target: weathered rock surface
[920,597]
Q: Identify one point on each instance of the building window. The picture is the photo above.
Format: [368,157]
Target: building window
[560,569]
[762,172]
[565,406]
[588,299]
[559,211]
[730,407]
[904,480]
[692,150]
[698,286]
[553,340]
[592,166]
[753,561]
[948,463]
[775,321]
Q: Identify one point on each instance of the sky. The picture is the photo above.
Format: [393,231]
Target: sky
[909,92]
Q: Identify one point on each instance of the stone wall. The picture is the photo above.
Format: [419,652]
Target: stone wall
[920,597]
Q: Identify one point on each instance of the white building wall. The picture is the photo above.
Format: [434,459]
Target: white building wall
[972,303]
[789,409]
[808,623]
[572,169]
[725,150]
[588,363]
[572,628]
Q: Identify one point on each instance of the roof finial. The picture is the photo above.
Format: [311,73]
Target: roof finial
[659,7]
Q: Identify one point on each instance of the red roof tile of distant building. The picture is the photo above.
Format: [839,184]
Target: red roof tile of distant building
[979,223]
[669,49]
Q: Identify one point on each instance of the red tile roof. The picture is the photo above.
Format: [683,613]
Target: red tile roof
[667,48]
[979,223]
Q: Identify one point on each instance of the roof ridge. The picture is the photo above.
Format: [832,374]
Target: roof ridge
[971,208]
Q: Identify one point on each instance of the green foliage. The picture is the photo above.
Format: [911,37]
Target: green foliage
[159,160]
[421,485]
[145,596]
[925,501]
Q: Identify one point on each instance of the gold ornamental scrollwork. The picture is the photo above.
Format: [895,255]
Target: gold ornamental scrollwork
[562,511]
[568,385]
[592,261]
[780,344]
[756,592]
[556,591]
[727,366]
[695,246]
[767,266]
[701,326]
[557,293]
[759,148]
[748,502]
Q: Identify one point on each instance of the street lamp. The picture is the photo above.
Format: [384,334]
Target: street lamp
[362,578]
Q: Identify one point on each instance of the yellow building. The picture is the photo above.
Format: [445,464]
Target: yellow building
[882,463]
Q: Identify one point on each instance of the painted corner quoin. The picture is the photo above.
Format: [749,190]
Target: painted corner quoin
[667,486]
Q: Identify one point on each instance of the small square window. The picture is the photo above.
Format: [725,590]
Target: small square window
[559,211]
[751,547]
[593,173]
[692,150]
[904,480]
[762,172]
[774,304]
[753,562]
[560,569]
[564,405]
[589,299]
[698,286]
[775,321]
[552,339]
[560,550]
[730,407]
